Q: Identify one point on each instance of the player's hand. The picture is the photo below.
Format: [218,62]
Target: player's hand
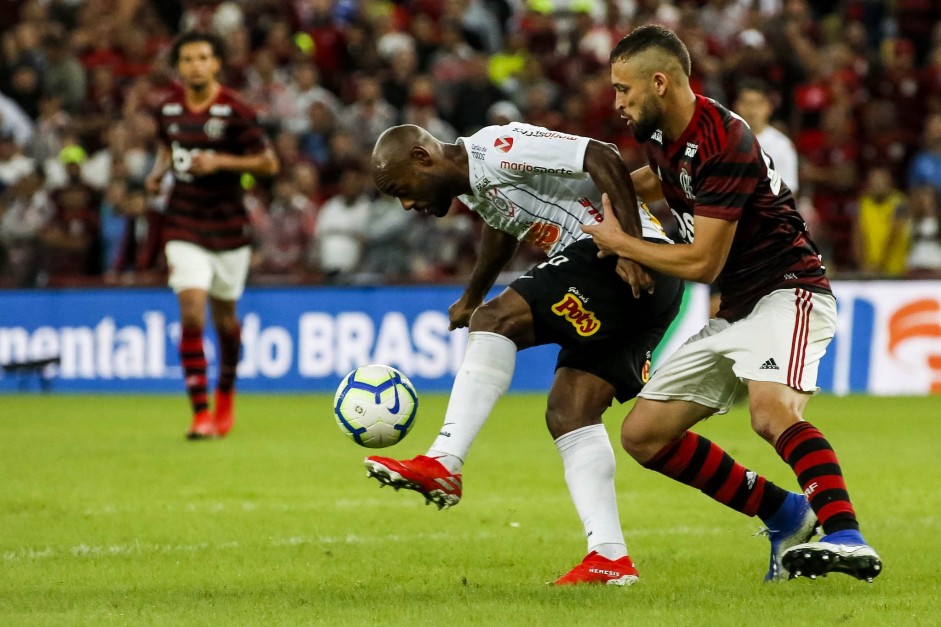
[608,234]
[461,311]
[636,276]
[152,183]
[204,162]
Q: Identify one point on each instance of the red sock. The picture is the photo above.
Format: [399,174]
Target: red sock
[819,475]
[699,463]
[230,345]
[193,360]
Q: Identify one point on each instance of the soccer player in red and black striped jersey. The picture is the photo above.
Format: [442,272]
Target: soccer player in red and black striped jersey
[210,138]
[740,229]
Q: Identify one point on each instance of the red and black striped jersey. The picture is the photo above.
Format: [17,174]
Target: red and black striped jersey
[208,210]
[717,169]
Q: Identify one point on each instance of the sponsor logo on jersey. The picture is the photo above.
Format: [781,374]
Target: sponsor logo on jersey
[645,371]
[691,149]
[220,110]
[173,129]
[478,152]
[214,128]
[503,144]
[574,311]
[482,184]
[686,182]
[529,132]
[172,108]
[528,167]
[657,136]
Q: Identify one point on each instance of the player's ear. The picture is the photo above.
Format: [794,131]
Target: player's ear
[660,83]
[421,155]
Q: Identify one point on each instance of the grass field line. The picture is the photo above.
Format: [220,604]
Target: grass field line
[83,550]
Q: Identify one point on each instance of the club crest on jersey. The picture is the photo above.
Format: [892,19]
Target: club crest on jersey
[686,182]
[645,371]
[503,144]
[572,309]
[214,128]
[501,204]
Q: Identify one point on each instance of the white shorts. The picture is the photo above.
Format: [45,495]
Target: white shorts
[222,274]
[782,340]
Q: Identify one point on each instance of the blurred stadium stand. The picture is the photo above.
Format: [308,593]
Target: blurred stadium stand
[857,86]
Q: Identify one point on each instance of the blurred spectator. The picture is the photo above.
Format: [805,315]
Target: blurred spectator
[925,169]
[388,258]
[13,120]
[474,95]
[283,232]
[51,127]
[314,143]
[303,90]
[64,76]
[72,240]
[342,225]
[25,211]
[306,179]
[14,165]
[369,114]
[140,247]
[924,260]
[421,111]
[882,226]
[754,104]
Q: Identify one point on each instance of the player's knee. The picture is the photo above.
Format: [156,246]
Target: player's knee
[770,416]
[490,319]
[639,443]
[561,421]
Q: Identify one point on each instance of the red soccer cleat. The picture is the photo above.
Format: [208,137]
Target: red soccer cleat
[422,474]
[224,412]
[597,569]
[202,427]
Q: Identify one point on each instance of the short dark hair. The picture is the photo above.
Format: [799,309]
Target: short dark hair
[755,84]
[652,36]
[193,37]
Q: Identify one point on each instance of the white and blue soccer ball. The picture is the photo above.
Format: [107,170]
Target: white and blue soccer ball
[375,406]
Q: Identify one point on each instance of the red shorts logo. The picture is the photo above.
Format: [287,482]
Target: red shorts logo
[503,144]
[574,311]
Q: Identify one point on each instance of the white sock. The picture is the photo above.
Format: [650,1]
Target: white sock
[589,472]
[483,378]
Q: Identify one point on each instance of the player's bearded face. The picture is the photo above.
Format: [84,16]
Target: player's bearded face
[648,120]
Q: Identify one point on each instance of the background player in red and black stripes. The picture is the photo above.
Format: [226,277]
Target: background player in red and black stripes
[777,314]
[210,137]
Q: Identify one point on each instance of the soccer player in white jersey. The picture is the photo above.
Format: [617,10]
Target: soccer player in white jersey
[533,184]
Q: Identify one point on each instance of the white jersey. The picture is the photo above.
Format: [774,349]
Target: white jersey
[530,182]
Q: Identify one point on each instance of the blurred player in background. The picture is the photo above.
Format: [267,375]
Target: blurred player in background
[739,228]
[210,137]
[529,183]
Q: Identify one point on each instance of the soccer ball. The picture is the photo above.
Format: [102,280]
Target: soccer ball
[375,406]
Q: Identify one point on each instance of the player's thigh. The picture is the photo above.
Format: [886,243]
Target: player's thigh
[508,315]
[783,339]
[230,271]
[576,399]
[698,372]
[190,266]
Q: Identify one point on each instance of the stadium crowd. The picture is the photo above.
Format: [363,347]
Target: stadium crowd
[856,86]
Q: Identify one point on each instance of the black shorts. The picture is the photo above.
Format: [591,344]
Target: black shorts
[580,303]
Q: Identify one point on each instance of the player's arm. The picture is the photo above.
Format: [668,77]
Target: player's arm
[647,184]
[700,261]
[612,177]
[264,163]
[161,165]
[496,250]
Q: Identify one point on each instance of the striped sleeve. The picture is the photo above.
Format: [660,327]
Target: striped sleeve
[724,182]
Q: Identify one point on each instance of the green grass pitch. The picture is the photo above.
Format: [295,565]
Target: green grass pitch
[109,517]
